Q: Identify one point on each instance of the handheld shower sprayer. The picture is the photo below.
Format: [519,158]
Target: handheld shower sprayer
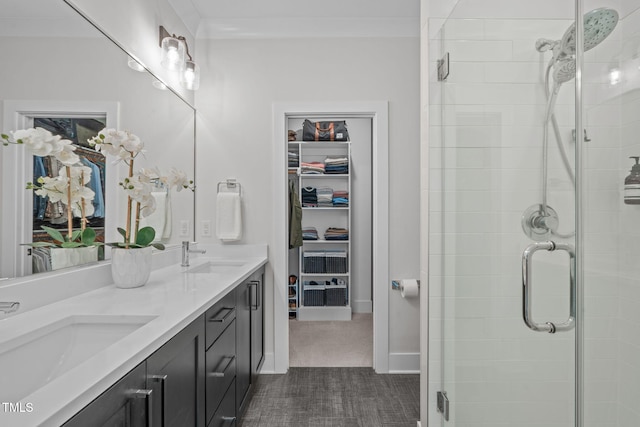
[540,221]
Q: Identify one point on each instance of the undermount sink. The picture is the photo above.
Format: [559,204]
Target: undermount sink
[34,359]
[217,266]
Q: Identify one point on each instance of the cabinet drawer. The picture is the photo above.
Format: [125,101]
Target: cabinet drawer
[225,416]
[124,404]
[220,368]
[219,316]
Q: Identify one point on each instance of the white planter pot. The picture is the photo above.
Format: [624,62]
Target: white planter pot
[130,268]
[69,257]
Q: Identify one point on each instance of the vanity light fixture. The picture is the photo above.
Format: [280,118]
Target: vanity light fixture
[174,50]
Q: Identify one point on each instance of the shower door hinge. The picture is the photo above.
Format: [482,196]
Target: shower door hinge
[443,404]
[443,67]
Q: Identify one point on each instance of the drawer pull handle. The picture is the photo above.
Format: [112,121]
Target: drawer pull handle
[162,379]
[229,420]
[229,310]
[146,395]
[219,373]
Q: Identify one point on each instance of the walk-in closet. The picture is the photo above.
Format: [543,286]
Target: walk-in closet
[330,240]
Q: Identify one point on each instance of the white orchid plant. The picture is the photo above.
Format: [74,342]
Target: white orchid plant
[138,185]
[68,187]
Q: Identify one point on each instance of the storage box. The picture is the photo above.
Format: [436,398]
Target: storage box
[336,295]
[313,295]
[336,262]
[314,262]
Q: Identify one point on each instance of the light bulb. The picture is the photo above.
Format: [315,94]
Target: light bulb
[172,54]
[190,78]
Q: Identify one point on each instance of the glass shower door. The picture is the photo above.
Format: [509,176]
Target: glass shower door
[502,208]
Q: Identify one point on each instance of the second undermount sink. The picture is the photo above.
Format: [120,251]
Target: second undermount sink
[32,360]
[217,266]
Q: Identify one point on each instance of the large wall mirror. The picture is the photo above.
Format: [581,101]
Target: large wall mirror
[61,73]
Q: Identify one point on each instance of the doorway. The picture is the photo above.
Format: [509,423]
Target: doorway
[377,113]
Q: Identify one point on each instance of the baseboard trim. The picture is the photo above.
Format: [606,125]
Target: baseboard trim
[269,365]
[362,306]
[404,363]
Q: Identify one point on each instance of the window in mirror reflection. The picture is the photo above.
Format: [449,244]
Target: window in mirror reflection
[54,214]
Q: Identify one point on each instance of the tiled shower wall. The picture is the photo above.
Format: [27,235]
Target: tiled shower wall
[627,235]
[485,157]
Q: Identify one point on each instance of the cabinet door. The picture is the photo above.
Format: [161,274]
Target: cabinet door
[243,345]
[175,373]
[257,325]
[125,404]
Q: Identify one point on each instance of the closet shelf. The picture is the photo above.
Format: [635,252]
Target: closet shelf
[324,274]
[324,175]
[322,241]
[325,209]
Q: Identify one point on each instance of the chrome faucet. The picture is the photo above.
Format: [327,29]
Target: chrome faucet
[186,251]
[9,307]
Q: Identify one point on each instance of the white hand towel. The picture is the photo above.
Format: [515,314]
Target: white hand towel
[169,219]
[158,218]
[228,217]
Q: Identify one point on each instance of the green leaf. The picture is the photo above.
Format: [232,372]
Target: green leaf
[145,236]
[122,232]
[158,246]
[55,234]
[76,235]
[4,136]
[88,236]
[71,245]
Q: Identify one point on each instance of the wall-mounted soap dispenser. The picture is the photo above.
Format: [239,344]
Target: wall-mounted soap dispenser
[632,185]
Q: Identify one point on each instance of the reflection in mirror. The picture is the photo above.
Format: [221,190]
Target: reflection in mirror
[66,69]
[48,214]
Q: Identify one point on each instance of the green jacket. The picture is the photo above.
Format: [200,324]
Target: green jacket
[295,218]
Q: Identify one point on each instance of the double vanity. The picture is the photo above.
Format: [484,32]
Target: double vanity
[183,350]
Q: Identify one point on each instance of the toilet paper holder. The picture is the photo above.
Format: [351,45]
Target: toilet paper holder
[395,284]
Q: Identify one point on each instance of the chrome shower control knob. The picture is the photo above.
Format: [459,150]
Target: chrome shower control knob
[538,224]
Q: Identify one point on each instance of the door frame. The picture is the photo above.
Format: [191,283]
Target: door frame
[378,111]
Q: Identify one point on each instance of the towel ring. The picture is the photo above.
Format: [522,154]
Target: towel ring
[231,184]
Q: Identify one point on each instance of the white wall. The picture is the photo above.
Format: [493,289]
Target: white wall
[241,81]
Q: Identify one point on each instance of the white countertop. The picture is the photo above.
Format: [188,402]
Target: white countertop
[174,297]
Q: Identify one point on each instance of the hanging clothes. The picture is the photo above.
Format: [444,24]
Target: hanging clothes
[295,218]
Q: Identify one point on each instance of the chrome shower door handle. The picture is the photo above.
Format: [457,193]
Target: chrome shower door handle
[527,290]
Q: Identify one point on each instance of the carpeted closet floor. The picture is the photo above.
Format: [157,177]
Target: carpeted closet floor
[332,343]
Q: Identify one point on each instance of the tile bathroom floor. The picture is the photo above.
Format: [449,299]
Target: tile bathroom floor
[334,397]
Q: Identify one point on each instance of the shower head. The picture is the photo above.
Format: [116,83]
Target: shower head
[564,70]
[598,24]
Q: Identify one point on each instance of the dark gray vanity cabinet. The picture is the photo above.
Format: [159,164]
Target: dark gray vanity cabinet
[257,324]
[125,404]
[201,377]
[249,337]
[221,357]
[175,374]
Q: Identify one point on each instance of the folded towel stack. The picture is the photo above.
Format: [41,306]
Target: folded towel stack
[294,159]
[336,233]
[340,198]
[325,197]
[312,167]
[309,233]
[336,165]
